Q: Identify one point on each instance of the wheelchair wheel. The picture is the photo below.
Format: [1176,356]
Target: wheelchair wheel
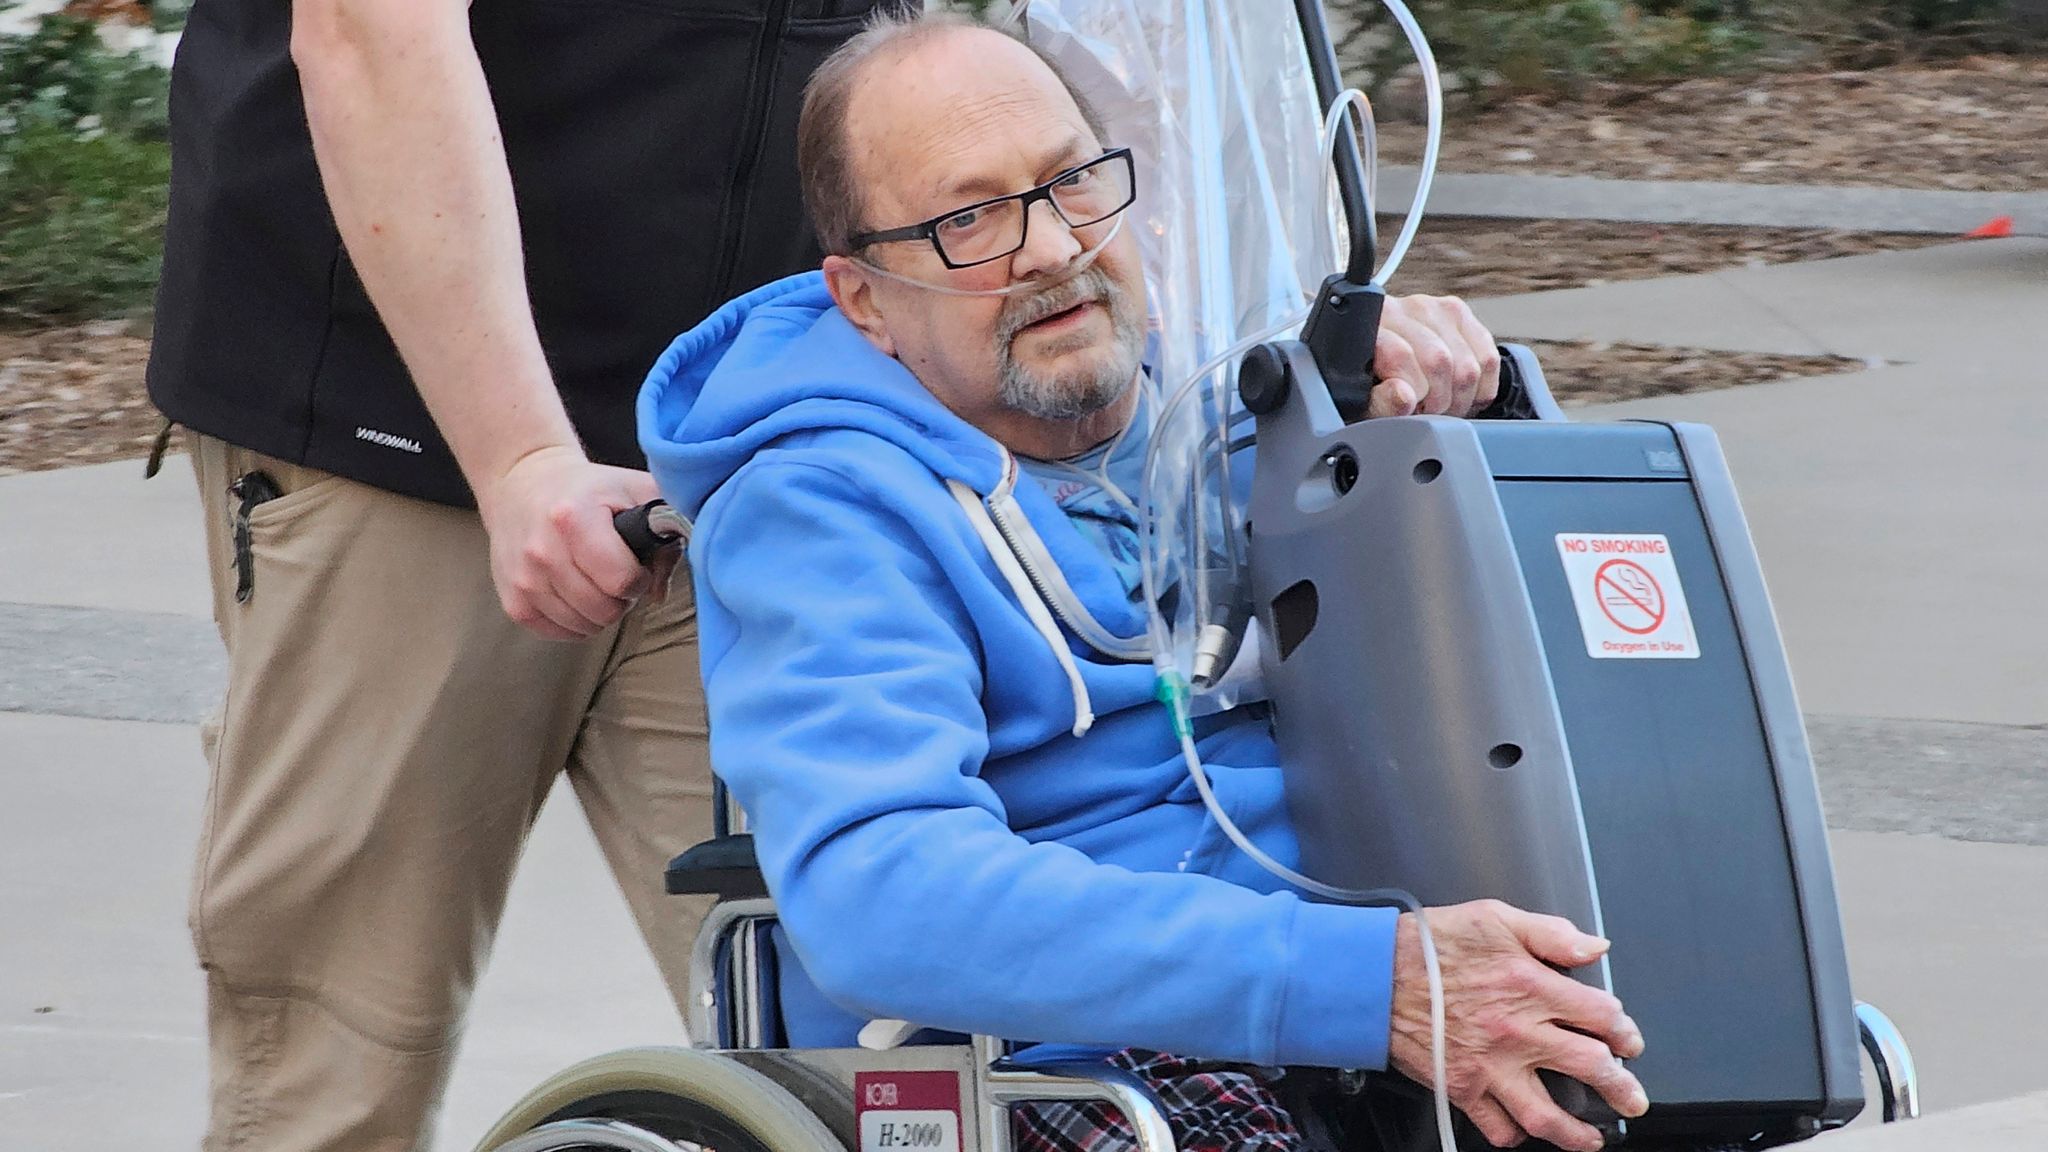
[660,1100]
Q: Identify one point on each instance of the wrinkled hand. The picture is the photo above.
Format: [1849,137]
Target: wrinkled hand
[1507,1014]
[559,565]
[1433,358]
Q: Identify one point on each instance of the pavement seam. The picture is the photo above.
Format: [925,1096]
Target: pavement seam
[1724,278]
[1713,203]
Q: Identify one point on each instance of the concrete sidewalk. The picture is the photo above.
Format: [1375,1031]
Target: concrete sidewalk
[1531,196]
[1899,511]
[1901,521]
[107,660]
[2017,1123]
[102,1023]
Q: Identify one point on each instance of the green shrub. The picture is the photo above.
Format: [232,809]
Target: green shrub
[1507,46]
[81,222]
[83,166]
[62,69]
[1495,47]
[1863,33]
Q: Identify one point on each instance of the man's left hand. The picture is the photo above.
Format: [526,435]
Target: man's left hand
[1434,358]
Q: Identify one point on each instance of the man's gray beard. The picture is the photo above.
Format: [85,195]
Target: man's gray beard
[1067,397]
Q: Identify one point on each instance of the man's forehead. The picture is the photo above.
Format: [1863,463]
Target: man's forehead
[959,115]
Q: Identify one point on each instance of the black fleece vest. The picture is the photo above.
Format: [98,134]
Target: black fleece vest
[652,149]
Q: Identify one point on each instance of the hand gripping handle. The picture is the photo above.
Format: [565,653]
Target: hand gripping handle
[650,528]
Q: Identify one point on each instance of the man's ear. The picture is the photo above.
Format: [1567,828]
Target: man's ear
[854,291]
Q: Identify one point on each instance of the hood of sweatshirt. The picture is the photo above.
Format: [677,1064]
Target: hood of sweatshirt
[783,361]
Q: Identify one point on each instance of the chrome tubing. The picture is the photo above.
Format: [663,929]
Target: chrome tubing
[610,1135]
[725,917]
[749,1014]
[1092,1082]
[1897,1081]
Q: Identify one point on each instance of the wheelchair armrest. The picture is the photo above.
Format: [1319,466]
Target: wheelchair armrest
[1101,1083]
[723,867]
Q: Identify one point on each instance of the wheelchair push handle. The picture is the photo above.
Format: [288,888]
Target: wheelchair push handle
[650,528]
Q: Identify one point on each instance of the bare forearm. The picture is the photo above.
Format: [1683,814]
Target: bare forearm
[414,168]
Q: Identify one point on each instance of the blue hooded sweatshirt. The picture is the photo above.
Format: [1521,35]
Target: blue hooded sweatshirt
[941,844]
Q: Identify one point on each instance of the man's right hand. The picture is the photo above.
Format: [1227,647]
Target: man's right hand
[559,565]
[1507,1013]
[412,159]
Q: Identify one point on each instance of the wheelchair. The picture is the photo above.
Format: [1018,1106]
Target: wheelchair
[740,1090]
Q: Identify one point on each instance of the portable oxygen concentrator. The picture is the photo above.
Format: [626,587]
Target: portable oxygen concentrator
[1544,669]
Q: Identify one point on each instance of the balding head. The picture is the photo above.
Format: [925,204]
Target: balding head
[827,152]
[931,121]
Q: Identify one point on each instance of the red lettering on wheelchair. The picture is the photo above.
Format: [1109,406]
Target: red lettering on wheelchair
[908,1111]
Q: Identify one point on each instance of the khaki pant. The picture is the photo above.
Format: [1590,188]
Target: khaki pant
[386,740]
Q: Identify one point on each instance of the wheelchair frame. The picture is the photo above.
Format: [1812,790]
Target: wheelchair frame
[829,1083]
[838,1088]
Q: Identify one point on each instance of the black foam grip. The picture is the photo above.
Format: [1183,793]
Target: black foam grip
[638,534]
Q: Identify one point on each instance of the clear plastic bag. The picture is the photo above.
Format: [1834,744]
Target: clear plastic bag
[1217,102]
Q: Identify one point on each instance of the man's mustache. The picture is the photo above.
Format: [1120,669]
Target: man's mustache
[1088,286]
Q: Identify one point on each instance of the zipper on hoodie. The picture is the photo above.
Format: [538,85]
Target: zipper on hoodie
[754,138]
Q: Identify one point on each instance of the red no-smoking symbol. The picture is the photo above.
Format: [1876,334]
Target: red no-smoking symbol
[1629,596]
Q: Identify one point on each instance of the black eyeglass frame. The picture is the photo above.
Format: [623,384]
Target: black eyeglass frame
[929,229]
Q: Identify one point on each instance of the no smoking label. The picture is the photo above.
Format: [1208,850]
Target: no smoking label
[1626,590]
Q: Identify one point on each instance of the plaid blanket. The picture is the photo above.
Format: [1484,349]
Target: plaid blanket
[1210,1107]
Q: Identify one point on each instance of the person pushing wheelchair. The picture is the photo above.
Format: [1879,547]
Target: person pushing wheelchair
[969,814]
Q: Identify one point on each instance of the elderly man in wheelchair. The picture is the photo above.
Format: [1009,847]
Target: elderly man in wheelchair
[969,808]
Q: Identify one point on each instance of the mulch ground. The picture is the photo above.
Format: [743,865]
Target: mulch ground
[1975,125]
[74,395]
[71,396]
[1581,372]
[1474,258]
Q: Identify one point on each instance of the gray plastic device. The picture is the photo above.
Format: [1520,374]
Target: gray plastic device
[1518,694]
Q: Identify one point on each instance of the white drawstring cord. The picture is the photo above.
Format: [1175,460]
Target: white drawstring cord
[1027,596]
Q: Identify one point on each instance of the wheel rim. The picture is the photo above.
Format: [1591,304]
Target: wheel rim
[608,1135]
[638,1121]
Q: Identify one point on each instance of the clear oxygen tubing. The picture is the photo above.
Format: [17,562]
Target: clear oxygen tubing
[1173,688]
[1208,369]
[1174,694]
[1433,100]
[1333,121]
[1151,568]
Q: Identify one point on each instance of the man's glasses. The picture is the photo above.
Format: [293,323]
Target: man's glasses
[993,229]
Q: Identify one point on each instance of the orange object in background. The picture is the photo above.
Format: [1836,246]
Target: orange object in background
[1998,228]
[121,11]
